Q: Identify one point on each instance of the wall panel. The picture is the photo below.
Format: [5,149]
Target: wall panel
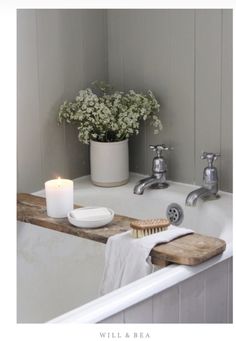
[208,86]
[226,160]
[59,53]
[185,57]
[28,122]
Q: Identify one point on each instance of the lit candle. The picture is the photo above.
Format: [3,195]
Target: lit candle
[59,197]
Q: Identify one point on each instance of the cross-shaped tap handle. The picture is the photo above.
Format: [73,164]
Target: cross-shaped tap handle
[159,148]
[210,157]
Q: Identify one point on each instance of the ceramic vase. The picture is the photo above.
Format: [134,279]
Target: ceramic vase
[109,163]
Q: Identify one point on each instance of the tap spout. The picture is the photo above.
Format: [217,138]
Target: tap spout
[144,183]
[193,196]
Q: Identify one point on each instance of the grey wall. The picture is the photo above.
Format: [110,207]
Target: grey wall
[59,52]
[185,57]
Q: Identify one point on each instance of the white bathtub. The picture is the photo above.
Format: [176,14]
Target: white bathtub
[59,274]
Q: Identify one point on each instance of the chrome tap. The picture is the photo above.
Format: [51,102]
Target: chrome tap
[159,169]
[210,182]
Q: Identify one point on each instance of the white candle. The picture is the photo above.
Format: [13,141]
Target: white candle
[59,197]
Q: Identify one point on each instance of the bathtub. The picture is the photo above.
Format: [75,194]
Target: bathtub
[59,275]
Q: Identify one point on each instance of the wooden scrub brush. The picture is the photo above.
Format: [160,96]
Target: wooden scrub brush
[142,228]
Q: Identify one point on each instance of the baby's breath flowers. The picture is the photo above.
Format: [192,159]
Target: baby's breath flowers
[112,116]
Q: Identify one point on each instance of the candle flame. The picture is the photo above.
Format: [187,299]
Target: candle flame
[59,182]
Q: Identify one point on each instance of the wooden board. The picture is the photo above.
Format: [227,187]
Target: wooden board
[192,249]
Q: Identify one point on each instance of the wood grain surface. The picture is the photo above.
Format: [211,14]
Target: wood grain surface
[191,249]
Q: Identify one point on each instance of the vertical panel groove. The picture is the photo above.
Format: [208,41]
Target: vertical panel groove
[228,286]
[194,101]
[226,160]
[82,43]
[105,30]
[221,94]
[179,303]
[147,146]
[230,292]
[152,309]
[39,97]
[204,302]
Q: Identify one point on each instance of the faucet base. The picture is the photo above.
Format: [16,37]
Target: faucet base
[212,197]
[204,193]
[159,185]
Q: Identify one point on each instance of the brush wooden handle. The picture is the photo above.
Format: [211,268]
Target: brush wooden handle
[149,224]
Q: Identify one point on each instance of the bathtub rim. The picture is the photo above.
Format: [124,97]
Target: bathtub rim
[41,192]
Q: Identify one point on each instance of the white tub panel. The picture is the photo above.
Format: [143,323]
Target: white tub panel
[230,291]
[191,299]
[139,313]
[216,293]
[166,306]
[203,298]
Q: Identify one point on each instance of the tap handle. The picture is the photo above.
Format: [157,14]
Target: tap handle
[159,148]
[210,157]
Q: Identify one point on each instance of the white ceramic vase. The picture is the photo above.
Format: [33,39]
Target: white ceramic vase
[109,163]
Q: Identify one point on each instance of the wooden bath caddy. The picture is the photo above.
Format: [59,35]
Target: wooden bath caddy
[191,249]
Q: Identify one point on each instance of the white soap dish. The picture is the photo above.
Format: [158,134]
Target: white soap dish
[95,217]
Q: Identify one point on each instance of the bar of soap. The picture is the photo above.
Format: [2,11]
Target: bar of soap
[90,213]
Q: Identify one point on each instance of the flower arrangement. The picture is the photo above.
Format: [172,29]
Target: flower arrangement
[111,116]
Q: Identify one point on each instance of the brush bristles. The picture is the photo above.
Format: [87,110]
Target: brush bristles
[142,228]
[146,232]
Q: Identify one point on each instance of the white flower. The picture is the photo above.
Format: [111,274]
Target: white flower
[112,116]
